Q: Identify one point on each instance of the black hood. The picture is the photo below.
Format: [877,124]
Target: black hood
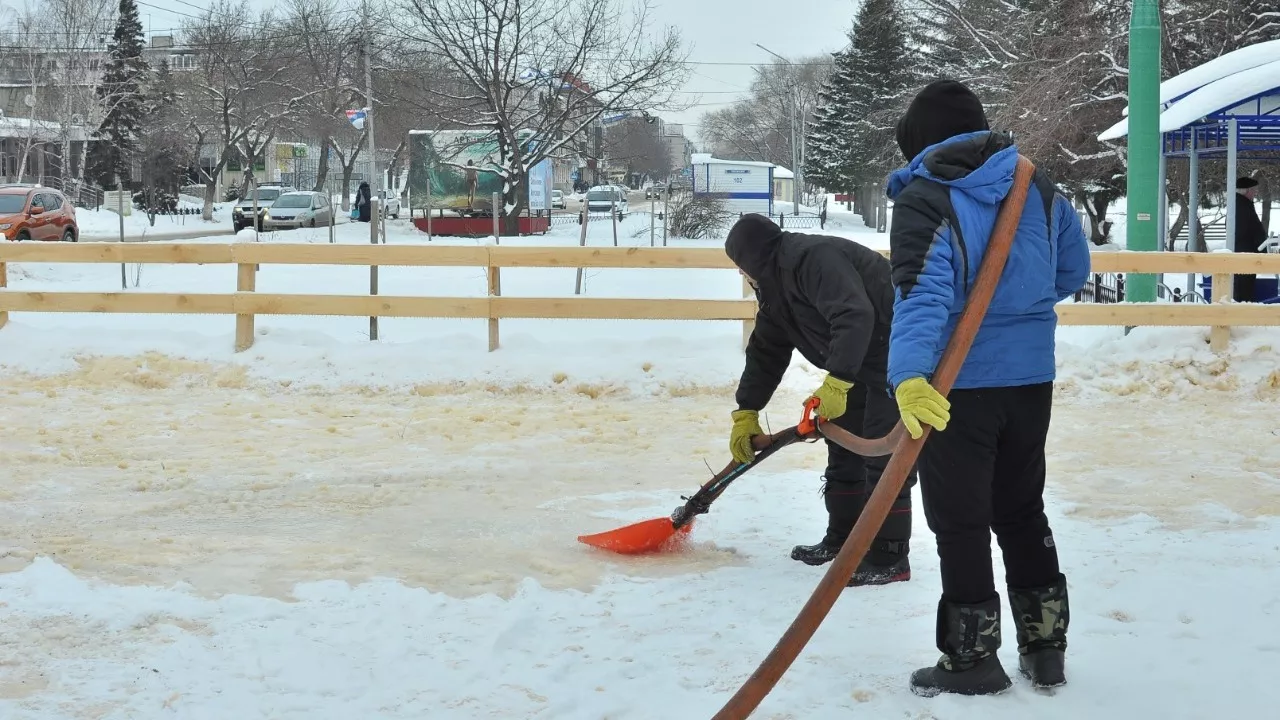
[942,110]
[958,159]
[753,245]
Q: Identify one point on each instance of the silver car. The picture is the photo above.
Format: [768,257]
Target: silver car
[298,209]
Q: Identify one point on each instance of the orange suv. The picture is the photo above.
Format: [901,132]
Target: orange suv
[36,213]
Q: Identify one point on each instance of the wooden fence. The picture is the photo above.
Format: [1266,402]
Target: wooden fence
[245,303]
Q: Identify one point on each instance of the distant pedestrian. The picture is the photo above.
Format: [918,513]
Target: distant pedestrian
[364,202]
[1250,236]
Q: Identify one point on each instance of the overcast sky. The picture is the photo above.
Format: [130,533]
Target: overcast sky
[726,31]
[718,31]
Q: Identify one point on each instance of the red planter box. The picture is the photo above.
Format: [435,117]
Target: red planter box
[479,226]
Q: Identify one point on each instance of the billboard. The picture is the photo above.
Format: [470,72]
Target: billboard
[461,166]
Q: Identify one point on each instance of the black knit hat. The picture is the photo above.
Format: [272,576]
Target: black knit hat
[943,109]
[751,244]
[1245,183]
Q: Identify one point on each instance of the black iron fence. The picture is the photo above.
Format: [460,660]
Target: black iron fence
[1109,288]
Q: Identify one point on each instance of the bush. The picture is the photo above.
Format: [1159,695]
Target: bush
[696,217]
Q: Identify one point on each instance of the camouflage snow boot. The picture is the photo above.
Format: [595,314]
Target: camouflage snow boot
[1041,616]
[968,636]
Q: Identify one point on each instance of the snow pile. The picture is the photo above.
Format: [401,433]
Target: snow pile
[104,224]
[1167,362]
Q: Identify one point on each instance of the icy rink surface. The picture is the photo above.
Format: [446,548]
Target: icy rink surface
[159,515]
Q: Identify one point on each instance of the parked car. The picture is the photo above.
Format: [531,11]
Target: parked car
[28,212]
[298,209]
[557,201]
[390,204]
[242,213]
[604,198]
[655,192]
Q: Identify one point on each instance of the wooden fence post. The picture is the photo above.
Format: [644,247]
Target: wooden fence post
[1220,335]
[4,283]
[495,290]
[246,281]
[748,326]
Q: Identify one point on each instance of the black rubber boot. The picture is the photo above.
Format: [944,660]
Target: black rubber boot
[869,573]
[1041,616]
[844,504]
[968,636]
[886,560]
[819,554]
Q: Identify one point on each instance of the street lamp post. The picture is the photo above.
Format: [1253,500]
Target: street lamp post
[795,145]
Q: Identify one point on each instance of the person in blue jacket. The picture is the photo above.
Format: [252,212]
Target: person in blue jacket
[982,470]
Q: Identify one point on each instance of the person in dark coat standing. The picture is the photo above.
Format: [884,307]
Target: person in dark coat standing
[983,469]
[831,299]
[1250,236]
[364,202]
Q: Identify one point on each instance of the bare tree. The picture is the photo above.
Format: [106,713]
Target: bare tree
[79,31]
[759,126]
[634,144]
[240,93]
[538,74]
[327,60]
[30,25]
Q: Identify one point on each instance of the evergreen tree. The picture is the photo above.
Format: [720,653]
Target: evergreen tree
[160,150]
[122,96]
[828,153]
[884,77]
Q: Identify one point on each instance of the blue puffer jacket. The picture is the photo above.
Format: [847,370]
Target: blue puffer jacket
[945,206]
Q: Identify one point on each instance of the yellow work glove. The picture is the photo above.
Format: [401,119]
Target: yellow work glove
[833,397]
[919,403]
[746,424]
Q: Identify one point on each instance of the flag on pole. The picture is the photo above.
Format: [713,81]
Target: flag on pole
[357,117]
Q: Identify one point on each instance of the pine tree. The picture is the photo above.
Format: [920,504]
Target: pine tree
[159,150]
[122,96]
[881,84]
[828,153]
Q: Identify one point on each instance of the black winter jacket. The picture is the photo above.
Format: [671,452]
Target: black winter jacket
[828,297]
[1250,235]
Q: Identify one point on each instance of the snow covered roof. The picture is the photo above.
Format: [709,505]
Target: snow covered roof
[1216,87]
[40,130]
[706,159]
[781,173]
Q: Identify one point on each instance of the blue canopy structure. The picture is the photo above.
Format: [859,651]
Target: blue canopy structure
[1228,106]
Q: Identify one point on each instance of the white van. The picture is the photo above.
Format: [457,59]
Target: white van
[603,198]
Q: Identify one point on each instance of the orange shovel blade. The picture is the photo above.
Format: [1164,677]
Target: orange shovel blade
[641,537]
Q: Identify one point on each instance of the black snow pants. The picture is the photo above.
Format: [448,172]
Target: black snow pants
[984,473]
[850,478]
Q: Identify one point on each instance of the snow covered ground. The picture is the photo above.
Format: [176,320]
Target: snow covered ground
[329,528]
[104,224]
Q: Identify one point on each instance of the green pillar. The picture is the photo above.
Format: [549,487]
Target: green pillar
[1144,142]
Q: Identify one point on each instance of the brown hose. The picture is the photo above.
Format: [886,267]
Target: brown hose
[754,690]
[866,447]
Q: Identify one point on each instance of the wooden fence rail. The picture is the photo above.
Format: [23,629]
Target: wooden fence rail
[246,303]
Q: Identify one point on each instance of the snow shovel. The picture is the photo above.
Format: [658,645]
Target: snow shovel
[666,533]
[770,671]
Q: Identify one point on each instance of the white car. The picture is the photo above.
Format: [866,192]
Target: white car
[390,204]
[297,210]
[557,201]
[604,198]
